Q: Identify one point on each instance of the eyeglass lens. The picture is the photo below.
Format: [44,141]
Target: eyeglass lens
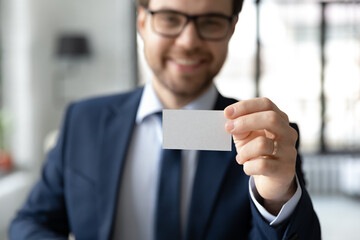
[208,27]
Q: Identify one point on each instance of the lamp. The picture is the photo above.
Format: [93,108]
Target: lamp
[72,46]
[70,51]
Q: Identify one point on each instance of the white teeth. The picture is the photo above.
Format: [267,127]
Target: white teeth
[187,62]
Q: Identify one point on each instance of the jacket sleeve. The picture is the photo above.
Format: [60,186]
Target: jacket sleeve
[43,216]
[302,224]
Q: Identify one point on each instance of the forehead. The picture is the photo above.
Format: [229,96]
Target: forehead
[194,6]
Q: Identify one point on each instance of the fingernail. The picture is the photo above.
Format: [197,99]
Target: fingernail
[230,110]
[229,126]
[238,159]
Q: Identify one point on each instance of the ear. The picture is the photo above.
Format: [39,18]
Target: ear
[233,24]
[141,17]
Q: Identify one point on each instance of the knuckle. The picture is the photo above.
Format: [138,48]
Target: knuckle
[293,134]
[262,143]
[267,103]
[286,117]
[272,117]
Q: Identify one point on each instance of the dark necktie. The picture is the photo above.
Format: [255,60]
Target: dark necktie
[167,221]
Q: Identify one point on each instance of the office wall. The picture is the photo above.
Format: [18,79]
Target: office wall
[38,85]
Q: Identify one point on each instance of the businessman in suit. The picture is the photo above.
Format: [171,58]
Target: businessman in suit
[108,178]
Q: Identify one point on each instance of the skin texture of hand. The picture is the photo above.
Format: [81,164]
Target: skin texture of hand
[255,125]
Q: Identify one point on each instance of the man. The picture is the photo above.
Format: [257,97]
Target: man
[104,177]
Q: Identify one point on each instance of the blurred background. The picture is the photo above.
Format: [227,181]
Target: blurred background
[303,55]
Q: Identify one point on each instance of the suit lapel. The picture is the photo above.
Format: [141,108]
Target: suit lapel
[210,173]
[118,124]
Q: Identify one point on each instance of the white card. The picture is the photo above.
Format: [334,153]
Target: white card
[195,130]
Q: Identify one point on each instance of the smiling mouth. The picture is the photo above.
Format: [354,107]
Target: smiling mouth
[187,62]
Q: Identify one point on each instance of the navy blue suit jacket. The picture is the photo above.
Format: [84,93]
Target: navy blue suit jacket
[79,186]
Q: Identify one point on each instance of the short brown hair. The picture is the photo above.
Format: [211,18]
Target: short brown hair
[237,5]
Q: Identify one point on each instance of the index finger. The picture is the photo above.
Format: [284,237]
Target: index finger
[245,107]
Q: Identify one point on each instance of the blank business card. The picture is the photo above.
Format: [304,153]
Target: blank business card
[195,130]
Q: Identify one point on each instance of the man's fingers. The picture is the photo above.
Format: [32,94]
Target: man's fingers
[261,166]
[269,120]
[269,167]
[251,106]
[260,146]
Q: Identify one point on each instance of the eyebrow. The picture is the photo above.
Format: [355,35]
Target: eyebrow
[202,14]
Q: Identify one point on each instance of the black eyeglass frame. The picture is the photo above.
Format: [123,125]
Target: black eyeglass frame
[193,18]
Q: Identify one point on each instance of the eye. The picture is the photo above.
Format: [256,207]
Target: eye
[169,19]
[212,23]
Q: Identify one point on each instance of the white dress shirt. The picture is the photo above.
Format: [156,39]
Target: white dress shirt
[138,188]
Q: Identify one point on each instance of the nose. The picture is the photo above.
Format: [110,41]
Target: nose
[189,37]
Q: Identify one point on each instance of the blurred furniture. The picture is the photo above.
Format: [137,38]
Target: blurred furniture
[14,188]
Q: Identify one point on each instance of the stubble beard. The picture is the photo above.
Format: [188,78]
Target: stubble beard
[191,92]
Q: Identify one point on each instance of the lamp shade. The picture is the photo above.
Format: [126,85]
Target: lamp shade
[72,46]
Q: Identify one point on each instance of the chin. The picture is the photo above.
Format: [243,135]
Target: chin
[185,85]
[191,90]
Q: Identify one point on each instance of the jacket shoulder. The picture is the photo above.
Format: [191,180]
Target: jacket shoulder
[109,101]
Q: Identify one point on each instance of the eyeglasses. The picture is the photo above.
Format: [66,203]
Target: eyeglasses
[170,23]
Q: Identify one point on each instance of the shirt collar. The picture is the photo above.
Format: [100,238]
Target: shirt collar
[150,103]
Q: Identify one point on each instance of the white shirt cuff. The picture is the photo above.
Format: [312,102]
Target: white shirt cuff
[286,210]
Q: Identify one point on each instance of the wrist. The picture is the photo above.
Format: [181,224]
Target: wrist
[274,206]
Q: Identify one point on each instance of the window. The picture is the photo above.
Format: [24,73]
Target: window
[322,95]
[292,72]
